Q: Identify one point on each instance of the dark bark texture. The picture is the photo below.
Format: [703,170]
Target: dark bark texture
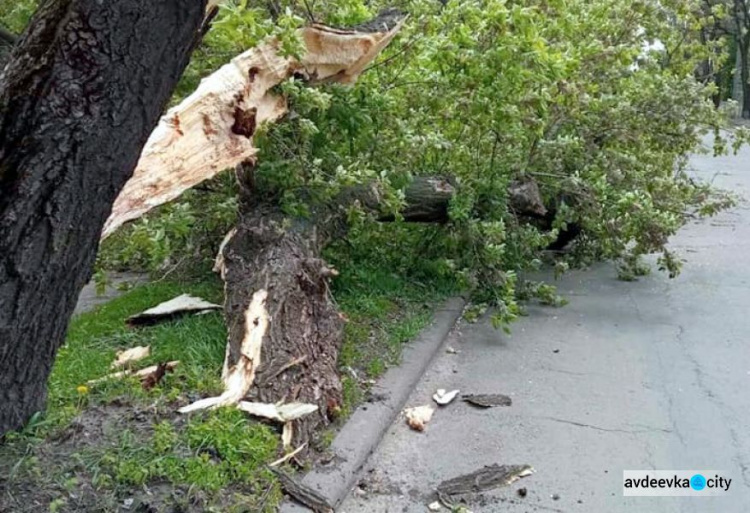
[744,48]
[299,352]
[267,254]
[82,91]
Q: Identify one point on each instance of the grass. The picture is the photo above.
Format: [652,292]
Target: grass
[94,338]
[384,311]
[100,446]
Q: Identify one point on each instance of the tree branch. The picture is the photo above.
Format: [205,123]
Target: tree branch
[212,130]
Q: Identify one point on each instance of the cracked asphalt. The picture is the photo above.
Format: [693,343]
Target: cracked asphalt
[653,374]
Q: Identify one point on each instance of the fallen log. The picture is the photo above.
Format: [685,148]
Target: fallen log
[212,130]
[285,331]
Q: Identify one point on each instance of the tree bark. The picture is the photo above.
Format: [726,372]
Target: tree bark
[743,47]
[277,292]
[82,91]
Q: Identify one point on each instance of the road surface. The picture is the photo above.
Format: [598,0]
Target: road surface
[653,374]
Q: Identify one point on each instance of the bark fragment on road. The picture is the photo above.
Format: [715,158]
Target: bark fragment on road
[487,400]
[486,478]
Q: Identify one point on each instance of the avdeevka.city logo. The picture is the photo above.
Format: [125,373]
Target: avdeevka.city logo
[671,483]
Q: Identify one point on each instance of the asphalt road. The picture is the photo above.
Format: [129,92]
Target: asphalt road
[653,374]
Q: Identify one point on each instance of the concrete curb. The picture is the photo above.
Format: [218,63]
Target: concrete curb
[364,430]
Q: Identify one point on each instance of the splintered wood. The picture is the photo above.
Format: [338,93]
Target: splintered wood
[149,374]
[168,310]
[239,378]
[212,129]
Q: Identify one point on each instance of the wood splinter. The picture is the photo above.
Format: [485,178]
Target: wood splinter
[239,377]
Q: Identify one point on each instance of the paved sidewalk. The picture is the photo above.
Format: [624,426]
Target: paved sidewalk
[653,374]
[89,299]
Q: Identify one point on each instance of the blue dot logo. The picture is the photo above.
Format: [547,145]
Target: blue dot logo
[697,482]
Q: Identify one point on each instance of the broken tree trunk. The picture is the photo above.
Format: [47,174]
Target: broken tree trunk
[285,331]
[212,130]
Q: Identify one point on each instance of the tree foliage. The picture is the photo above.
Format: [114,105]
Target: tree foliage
[595,100]
[728,22]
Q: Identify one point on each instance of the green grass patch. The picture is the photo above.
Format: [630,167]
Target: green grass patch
[215,451]
[384,311]
[99,445]
[94,338]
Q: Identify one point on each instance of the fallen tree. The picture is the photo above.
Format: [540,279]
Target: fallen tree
[284,329]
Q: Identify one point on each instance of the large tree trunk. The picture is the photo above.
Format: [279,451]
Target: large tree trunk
[277,296]
[82,91]
[743,47]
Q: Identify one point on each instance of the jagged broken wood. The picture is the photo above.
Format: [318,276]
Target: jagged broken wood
[128,356]
[181,305]
[279,412]
[239,378]
[145,375]
[486,478]
[301,493]
[212,130]
[443,397]
[288,456]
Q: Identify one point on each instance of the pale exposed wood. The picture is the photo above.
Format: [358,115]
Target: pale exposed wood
[239,377]
[418,416]
[141,374]
[219,262]
[180,305]
[288,457]
[131,355]
[212,130]
[279,412]
[287,435]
